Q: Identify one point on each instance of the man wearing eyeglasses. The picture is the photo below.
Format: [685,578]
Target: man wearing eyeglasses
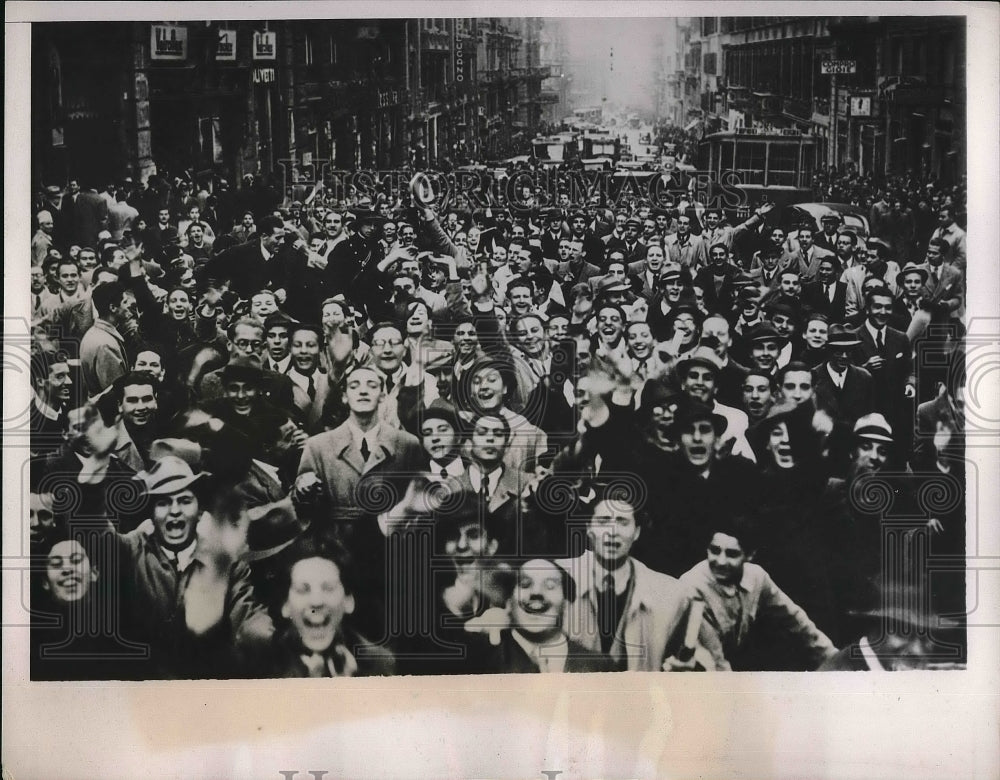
[245,338]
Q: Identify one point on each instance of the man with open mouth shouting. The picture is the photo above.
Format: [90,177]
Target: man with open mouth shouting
[157,568]
[632,614]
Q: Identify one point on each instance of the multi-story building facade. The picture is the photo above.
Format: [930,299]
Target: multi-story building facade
[111,100]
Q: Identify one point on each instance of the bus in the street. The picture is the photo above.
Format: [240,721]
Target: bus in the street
[773,166]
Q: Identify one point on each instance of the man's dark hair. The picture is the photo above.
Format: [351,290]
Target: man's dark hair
[882,291]
[268,225]
[135,378]
[316,545]
[107,295]
[743,528]
[42,362]
[495,416]
[627,491]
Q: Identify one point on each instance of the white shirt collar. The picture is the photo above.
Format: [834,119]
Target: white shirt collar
[183,557]
[44,408]
[550,657]
[455,468]
[837,377]
[302,380]
[492,479]
[621,575]
[283,365]
[371,436]
[875,331]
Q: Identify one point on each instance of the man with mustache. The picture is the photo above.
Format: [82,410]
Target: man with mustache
[527,635]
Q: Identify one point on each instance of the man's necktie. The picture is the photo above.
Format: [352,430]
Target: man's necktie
[444,473]
[880,342]
[607,605]
[365,451]
[389,384]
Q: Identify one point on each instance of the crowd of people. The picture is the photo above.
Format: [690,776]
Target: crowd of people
[375,433]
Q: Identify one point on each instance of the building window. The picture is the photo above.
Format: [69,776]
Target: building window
[307,50]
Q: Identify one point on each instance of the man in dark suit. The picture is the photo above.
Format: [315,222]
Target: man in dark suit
[718,279]
[633,248]
[593,247]
[886,353]
[248,267]
[807,256]
[572,267]
[843,390]
[644,274]
[555,232]
[246,340]
[534,640]
[827,295]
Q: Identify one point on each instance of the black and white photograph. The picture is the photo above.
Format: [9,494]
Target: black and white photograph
[418,347]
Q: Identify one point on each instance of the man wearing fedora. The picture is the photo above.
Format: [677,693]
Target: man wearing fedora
[842,389]
[157,567]
[698,375]
[765,345]
[703,483]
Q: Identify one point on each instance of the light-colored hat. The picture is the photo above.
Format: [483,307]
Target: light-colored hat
[873,426]
[169,475]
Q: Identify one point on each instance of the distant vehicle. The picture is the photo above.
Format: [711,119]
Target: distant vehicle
[597,163]
[592,114]
[853,218]
[555,148]
[600,143]
[767,166]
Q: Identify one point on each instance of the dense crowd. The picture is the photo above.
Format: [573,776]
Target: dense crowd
[366,432]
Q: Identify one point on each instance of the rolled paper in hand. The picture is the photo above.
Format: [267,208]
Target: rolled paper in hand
[686,653]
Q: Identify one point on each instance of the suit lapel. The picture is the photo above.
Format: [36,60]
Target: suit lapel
[348,452]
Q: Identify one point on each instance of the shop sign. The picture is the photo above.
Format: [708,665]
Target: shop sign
[265,45]
[225,49]
[168,42]
[263,76]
